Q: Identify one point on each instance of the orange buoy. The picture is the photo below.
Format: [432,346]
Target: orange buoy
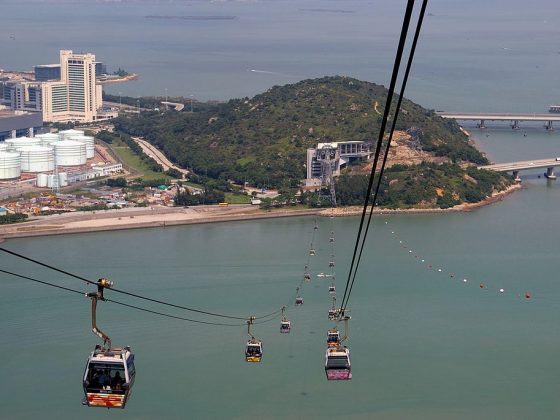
[482,285]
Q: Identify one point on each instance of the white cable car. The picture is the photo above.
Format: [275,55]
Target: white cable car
[109,377]
[311,252]
[337,364]
[299,301]
[332,289]
[333,313]
[331,263]
[285,326]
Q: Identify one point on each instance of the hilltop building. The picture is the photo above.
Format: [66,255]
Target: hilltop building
[339,154]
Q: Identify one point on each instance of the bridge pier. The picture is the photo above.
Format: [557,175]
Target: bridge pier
[515,125]
[481,125]
[516,177]
[550,173]
[548,126]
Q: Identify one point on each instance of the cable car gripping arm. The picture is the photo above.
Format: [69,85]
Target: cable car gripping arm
[346,328]
[101,284]
[249,323]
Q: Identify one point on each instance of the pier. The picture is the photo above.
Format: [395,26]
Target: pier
[516,167]
[514,119]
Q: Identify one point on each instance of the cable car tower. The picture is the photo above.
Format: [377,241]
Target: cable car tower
[328,156]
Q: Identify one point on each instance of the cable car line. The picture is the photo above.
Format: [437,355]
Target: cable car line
[46,283]
[393,125]
[361,237]
[186,308]
[42,282]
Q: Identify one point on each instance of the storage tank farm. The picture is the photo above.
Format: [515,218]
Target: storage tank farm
[39,158]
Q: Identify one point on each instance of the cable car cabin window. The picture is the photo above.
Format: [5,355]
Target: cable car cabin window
[253,350]
[337,362]
[106,377]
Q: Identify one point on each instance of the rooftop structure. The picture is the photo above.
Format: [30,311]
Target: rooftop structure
[18,123]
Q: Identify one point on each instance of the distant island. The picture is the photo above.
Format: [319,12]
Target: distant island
[211,17]
[263,141]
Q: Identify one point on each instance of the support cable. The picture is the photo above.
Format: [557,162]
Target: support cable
[46,283]
[393,125]
[186,308]
[361,233]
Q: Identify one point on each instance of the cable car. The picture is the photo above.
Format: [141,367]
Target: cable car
[331,263]
[307,276]
[285,326]
[311,252]
[299,301]
[253,351]
[332,289]
[333,338]
[109,377]
[333,314]
[337,364]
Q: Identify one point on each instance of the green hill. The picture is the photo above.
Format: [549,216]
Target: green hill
[263,140]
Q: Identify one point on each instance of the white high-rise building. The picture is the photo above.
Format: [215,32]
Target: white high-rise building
[76,96]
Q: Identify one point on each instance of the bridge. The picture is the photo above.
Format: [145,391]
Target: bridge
[482,117]
[515,167]
[176,105]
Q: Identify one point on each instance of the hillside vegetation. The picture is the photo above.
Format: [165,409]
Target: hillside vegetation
[263,140]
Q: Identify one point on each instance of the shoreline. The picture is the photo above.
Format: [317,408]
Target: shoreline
[460,208]
[142,218]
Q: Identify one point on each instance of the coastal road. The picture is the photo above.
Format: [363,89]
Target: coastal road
[157,155]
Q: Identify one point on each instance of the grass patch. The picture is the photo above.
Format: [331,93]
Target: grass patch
[133,160]
[237,198]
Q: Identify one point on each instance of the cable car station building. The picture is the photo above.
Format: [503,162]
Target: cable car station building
[340,154]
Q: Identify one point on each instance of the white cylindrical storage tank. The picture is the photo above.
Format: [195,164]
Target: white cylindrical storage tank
[89,142]
[50,180]
[62,179]
[37,158]
[10,165]
[42,180]
[47,138]
[70,153]
[66,134]
[15,144]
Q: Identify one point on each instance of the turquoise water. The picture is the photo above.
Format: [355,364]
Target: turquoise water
[423,344]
